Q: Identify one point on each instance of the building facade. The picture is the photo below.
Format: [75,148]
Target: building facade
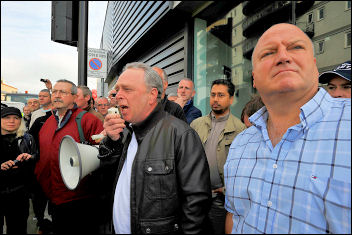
[7,89]
[208,40]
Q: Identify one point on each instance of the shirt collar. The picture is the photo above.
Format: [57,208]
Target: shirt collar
[220,119]
[311,112]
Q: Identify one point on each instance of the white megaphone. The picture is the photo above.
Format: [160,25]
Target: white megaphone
[76,161]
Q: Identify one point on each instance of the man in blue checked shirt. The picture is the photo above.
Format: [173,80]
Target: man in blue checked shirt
[291,171]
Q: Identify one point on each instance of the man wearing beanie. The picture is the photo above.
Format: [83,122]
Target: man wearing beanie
[338,80]
[17,166]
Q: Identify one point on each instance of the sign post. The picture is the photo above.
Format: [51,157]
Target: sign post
[97,63]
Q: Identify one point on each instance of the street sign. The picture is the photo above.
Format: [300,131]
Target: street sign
[97,63]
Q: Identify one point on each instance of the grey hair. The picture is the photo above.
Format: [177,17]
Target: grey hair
[165,75]
[151,77]
[281,23]
[102,98]
[187,79]
[85,90]
[73,87]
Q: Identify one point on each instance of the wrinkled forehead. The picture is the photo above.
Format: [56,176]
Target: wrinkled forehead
[281,33]
[186,83]
[130,76]
[62,85]
[32,100]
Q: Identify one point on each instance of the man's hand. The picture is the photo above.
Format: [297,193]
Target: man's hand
[48,84]
[181,101]
[218,190]
[228,223]
[113,126]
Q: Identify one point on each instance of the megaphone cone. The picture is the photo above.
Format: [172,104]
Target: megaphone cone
[76,161]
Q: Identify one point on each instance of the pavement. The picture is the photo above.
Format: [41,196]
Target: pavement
[32,221]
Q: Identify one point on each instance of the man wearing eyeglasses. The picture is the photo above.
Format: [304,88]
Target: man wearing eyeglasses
[73,211]
[112,98]
[102,105]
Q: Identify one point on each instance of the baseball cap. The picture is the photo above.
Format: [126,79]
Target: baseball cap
[6,111]
[343,70]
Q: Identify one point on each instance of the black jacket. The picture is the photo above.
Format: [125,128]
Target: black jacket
[170,181]
[17,179]
[173,109]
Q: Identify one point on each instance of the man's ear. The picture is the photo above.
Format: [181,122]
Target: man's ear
[87,98]
[193,92]
[253,79]
[153,95]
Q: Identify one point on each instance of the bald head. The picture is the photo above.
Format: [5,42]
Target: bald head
[284,65]
[281,25]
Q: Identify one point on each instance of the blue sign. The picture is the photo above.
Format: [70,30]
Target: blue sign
[95,64]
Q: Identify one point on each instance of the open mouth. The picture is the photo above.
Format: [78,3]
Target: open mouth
[123,107]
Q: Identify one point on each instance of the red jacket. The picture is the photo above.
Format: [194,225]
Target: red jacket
[47,168]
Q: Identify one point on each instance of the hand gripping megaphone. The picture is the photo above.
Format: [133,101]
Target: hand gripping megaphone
[76,161]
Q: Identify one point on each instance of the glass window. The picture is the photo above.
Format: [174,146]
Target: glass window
[218,55]
[321,13]
[310,17]
[348,5]
[348,39]
[320,47]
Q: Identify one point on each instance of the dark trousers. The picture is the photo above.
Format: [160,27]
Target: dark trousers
[15,208]
[78,216]
[39,201]
[217,215]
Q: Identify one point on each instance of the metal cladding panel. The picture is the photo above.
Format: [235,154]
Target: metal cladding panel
[126,22]
[170,56]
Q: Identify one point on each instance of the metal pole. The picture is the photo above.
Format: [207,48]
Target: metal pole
[293,4]
[82,42]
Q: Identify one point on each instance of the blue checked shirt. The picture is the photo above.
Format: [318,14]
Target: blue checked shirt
[303,184]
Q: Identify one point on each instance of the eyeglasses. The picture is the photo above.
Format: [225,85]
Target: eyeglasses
[32,102]
[60,92]
[103,105]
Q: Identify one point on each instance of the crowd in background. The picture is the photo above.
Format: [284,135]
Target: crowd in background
[30,168]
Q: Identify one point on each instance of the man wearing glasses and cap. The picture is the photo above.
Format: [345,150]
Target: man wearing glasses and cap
[338,80]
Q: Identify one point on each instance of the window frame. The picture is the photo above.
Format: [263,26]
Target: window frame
[323,47]
[346,6]
[310,13]
[346,39]
[319,18]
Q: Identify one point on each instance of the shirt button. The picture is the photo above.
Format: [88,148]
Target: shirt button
[150,169]
[148,230]
[274,166]
[269,204]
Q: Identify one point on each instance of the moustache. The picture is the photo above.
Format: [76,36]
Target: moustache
[58,100]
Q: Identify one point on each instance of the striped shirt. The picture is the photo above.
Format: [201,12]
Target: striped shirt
[303,184]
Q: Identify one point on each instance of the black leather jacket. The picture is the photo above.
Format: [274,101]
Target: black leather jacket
[170,181]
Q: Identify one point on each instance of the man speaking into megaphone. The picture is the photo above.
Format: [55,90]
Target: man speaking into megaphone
[155,169]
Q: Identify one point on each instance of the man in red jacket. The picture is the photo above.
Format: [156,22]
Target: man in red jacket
[73,211]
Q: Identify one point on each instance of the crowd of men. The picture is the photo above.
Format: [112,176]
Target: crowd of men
[283,167]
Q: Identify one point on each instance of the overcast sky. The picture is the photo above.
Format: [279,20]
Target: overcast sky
[27,52]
